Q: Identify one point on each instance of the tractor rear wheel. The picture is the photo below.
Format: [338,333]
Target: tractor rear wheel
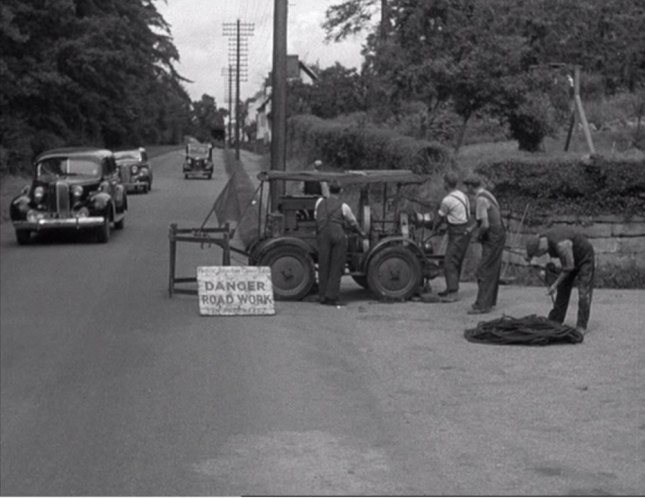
[394,273]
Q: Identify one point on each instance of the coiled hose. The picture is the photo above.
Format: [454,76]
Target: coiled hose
[531,330]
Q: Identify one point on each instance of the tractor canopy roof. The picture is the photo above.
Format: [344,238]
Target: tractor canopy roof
[348,177]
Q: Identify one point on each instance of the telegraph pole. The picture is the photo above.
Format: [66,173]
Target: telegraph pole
[279,96]
[238,50]
[228,72]
[230,101]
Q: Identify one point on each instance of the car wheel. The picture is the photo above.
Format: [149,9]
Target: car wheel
[210,176]
[292,272]
[394,273]
[185,176]
[103,232]
[23,237]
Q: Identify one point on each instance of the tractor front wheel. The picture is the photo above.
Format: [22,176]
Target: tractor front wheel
[292,272]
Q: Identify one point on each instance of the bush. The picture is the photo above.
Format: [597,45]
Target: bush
[569,186]
[532,122]
[363,147]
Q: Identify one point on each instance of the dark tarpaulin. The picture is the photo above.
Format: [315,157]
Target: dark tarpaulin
[530,330]
[235,205]
[227,206]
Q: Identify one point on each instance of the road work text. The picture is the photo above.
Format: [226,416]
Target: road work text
[235,290]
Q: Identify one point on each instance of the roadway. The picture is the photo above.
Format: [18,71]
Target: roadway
[109,387]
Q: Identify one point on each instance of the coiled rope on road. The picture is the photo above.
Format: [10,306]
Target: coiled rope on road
[530,330]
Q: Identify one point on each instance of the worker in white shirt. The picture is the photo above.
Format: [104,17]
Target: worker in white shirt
[454,210]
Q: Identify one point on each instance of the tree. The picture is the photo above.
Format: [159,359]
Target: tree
[480,55]
[338,90]
[206,118]
[348,18]
[86,72]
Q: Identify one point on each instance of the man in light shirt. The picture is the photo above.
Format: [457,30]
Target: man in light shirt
[455,212]
[332,216]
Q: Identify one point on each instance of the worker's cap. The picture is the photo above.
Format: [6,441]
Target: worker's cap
[451,178]
[532,246]
[473,180]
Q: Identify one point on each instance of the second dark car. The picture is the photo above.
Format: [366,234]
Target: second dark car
[135,169]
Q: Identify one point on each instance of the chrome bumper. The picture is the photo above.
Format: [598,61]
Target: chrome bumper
[136,185]
[50,223]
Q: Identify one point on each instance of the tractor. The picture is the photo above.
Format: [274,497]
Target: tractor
[395,259]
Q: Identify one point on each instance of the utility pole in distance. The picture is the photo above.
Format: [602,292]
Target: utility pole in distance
[228,72]
[279,96]
[238,50]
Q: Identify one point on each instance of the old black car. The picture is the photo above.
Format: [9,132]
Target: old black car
[135,169]
[73,188]
[198,160]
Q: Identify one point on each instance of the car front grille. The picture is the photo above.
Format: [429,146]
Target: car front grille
[62,199]
[50,198]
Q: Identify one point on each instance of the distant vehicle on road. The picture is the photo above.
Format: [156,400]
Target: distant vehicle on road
[392,261]
[198,160]
[135,169]
[73,188]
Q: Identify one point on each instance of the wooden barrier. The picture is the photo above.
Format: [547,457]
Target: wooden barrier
[218,236]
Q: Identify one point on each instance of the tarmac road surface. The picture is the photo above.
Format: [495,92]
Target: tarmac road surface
[109,387]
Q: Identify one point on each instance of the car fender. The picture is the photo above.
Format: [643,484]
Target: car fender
[19,207]
[269,244]
[393,241]
[119,195]
[101,202]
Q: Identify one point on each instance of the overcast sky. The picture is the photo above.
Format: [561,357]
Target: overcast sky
[197,30]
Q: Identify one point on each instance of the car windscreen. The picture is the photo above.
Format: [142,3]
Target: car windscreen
[119,156]
[68,166]
[198,150]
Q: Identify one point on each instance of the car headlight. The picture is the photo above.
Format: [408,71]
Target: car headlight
[39,192]
[32,215]
[83,212]
[77,191]
[135,170]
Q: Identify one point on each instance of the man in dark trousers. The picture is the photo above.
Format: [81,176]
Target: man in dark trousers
[577,259]
[454,210]
[492,236]
[332,216]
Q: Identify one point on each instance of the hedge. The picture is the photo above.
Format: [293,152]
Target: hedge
[589,187]
[363,147]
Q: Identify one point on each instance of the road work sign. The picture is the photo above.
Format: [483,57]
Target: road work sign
[235,290]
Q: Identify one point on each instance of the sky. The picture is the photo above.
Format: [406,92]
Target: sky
[198,33]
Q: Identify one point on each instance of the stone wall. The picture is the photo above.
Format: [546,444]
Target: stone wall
[619,244]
